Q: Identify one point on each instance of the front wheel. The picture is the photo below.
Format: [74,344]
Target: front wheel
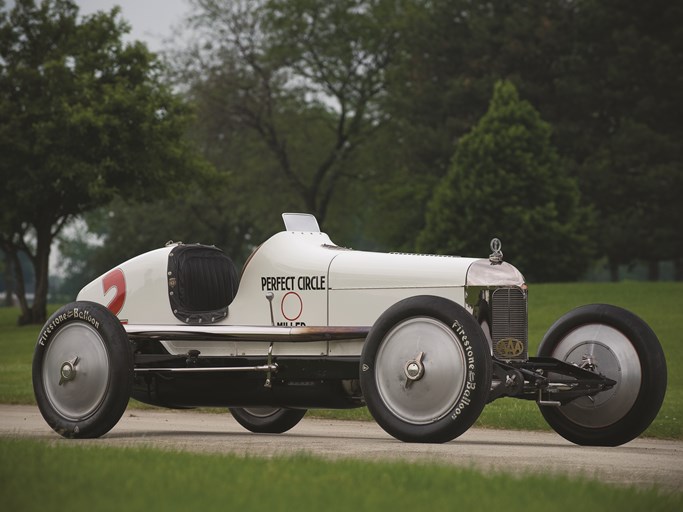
[267,420]
[82,370]
[619,345]
[425,370]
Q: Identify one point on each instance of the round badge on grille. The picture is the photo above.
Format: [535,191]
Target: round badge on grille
[509,347]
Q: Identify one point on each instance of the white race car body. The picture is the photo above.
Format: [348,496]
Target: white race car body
[313,282]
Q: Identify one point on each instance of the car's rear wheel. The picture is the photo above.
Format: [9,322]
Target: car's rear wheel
[267,420]
[425,370]
[82,370]
[619,345]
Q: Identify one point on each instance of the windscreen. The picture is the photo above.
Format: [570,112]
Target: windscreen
[300,222]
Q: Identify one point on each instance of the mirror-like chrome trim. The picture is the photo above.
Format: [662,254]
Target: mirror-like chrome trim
[484,273]
[244,333]
[261,368]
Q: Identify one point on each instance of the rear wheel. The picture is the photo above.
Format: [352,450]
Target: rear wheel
[619,345]
[82,370]
[267,420]
[425,370]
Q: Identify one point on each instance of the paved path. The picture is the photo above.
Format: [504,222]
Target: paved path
[642,462]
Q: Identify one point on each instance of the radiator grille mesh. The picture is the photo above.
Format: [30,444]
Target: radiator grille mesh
[509,323]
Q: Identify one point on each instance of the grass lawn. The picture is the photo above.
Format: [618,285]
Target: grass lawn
[39,476]
[659,304]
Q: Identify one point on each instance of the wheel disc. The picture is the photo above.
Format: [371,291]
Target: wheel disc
[75,371]
[614,357]
[420,370]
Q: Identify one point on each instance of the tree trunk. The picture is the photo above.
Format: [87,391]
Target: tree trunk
[678,269]
[613,270]
[20,288]
[41,264]
[9,281]
[653,270]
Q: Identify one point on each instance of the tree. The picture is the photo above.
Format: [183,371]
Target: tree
[635,178]
[83,118]
[605,74]
[622,81]
[7,279]
[507,180]
[301,78]
[450,53]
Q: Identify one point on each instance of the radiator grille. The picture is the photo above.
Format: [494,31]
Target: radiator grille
[509,323]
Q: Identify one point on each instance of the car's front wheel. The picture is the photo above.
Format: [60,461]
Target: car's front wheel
[267,420]
[615,343]
[425,370]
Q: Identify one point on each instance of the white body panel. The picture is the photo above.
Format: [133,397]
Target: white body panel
[363,285]
[358,270]
[293,279]
[294,268]
[363,307]
[144,293]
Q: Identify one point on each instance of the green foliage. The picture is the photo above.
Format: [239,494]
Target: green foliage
[450,54]
[83,118]
[625,129]
[507,180]
[290,92]
[601,72]
[350,110]
[131,478]
[641,168]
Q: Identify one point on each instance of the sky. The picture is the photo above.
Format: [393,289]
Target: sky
[151,21]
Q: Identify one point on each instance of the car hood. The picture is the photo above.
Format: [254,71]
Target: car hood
[351,270]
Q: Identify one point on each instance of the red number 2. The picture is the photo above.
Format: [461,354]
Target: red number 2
[115,279]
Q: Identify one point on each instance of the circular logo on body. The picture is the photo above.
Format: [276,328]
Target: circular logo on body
[291,306]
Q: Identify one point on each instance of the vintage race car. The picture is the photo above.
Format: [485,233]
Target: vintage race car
[424,341]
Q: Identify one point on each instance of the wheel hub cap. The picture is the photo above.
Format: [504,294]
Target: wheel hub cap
[68,370]
[414,369]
